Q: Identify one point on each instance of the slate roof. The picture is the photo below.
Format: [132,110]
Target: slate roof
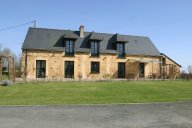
[52,40]
[95,36]
[170,59]
[70,35]
[119,38]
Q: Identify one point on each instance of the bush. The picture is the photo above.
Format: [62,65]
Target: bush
[186,76]
[7,83]
[18,74]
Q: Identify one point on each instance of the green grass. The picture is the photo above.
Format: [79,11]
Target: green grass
[57,93]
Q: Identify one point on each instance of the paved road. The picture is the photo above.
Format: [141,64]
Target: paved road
[159,115]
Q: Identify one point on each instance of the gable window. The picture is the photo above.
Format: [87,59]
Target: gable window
[69,47]
[163,61]
[94,48]
[121,49]
[94,67]
[40,68]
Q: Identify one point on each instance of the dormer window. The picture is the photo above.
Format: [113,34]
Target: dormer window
[164,61]
[94,48]
[94,39]
[69,40]
[119,41]
[69,47]
[121,49]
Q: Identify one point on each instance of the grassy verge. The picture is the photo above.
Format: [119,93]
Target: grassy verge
[54,93]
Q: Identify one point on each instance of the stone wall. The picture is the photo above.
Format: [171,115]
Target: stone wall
[82,65]
[170,69]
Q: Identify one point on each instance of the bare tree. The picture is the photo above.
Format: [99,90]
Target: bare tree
[17,59]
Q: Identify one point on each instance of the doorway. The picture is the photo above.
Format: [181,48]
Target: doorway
[141,70]
[121,70]
[69,69]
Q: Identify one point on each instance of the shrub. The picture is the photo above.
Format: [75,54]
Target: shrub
[18,74]
[186,76]
[7,83]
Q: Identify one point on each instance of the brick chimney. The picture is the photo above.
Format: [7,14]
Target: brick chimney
[81,31]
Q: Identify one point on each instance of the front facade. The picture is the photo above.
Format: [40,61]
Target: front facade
[61,54]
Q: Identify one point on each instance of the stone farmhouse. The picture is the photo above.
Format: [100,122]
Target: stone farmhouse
[53,54]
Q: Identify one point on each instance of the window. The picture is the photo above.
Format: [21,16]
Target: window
[40,68]
[69,47]
[121,49]
[94,48]
[94,67]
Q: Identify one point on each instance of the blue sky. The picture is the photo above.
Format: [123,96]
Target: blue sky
[168,23]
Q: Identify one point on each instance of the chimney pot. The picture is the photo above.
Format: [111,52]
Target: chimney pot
[81,31]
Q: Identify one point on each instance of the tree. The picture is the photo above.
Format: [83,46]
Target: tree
[190,69]
[17,60]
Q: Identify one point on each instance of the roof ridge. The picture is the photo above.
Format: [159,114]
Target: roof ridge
[91,32]
[118,34]
[53,29]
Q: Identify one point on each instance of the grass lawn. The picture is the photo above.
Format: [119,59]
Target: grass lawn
[54,93]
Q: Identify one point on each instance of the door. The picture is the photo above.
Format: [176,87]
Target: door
[121,70]
[69,69]
[141,70]
[40,68]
